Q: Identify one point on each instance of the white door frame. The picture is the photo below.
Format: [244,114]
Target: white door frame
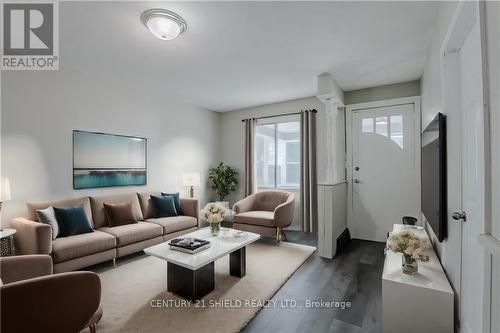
[466,15]
[415,100]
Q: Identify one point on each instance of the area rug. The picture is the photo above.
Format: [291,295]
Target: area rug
[135,299]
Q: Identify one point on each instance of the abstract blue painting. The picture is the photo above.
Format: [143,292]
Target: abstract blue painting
[104,160]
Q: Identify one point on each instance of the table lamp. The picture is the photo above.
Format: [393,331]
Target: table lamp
[191,179]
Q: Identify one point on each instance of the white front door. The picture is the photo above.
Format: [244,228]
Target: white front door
[462,256]
[385,169]
[473,183]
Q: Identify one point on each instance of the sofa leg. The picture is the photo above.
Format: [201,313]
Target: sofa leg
[114,262]
[93,328]
[278,235]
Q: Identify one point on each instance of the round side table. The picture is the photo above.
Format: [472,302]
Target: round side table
[6,243]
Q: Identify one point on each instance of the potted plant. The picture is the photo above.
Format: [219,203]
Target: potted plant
[411,247]
[223,180]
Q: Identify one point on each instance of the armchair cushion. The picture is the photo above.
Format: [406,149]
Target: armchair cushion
[67,248]
[256,217]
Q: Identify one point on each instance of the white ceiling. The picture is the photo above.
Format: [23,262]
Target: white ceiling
[241,54]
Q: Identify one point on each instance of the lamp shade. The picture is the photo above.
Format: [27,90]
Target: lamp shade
[163,24]
[4,189]
[191,179]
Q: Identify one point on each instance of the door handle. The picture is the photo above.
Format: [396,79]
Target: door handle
[356,180]
[457,216]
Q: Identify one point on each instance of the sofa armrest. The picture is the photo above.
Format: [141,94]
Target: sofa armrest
[244,205]
[32,237]
[18,268]
[283,213]
[57,303]
[190,207]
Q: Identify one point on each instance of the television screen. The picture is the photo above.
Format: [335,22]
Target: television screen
[433,157]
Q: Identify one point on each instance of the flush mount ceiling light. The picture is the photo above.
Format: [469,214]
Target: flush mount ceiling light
[163,24]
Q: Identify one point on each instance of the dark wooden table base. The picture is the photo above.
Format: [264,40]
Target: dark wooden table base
[195,284]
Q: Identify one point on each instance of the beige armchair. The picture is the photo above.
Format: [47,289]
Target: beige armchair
[266,213]
[34,300]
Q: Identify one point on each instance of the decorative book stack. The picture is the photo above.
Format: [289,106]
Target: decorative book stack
[189,245]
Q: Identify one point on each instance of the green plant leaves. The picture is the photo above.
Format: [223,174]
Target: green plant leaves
[223,180]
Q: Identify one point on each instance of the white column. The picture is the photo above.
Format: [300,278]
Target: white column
[335,142]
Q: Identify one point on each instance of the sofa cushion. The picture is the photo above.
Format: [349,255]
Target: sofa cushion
[99,214]
[67,248]
[48,216]
[175,223]
[147,206]
[119,214]
[72,221]
[164,206]
[34,206]
[257,217]
[133,233]
[177,201]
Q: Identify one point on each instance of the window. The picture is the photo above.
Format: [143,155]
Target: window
[278,154]
[391,126]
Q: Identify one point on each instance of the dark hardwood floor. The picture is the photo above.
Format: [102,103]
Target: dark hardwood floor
[352,276]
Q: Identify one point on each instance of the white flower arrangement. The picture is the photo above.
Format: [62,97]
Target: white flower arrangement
[410,245]
[213,213]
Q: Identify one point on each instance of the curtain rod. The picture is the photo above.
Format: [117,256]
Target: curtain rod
[284,114]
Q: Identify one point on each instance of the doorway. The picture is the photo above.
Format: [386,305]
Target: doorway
[463,258]
[383,166]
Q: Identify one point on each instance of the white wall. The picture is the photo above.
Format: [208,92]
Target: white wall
[430,83]
[40,110]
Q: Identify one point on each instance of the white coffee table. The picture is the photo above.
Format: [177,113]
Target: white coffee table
[192,276]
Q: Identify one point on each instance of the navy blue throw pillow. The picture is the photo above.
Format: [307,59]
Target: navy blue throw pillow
[72,221]
[164,206]
[177,201]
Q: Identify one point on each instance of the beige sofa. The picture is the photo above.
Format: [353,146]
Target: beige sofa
[105,243]
[265,213]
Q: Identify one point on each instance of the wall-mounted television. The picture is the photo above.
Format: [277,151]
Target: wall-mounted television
[433,157]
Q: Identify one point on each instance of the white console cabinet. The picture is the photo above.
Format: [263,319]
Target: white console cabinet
[416,303]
